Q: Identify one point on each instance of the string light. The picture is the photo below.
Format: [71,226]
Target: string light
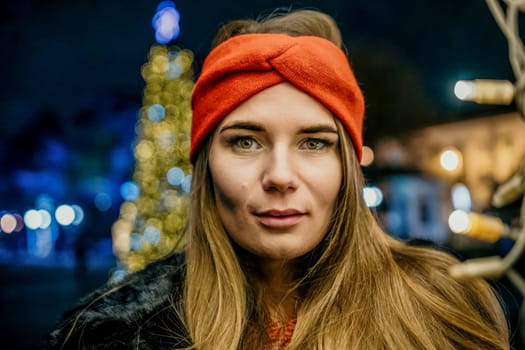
[480,226]
[484,227]
[152,217]
[485,91]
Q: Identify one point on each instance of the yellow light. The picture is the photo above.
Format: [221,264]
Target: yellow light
[162,144]
[121,230]
[485,91]
[160,63]
[484,227]
[128,211]
[144,150]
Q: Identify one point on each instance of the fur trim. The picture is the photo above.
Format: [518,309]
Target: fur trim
[137,313]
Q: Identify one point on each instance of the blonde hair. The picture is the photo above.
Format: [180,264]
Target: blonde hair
[360,289]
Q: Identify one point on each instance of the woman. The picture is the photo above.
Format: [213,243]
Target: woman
[282,251]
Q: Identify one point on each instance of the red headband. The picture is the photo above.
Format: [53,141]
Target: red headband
[246,64]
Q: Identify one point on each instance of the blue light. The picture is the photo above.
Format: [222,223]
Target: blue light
[174,70]
[79,215]
[186,184]
[175,176]
[156,112]
[461,197]
[166,22]
[119,275]
[121,158]
[152,234]
[165,4]
[103,201]
[129,191]
[44,201]
[136,241]
[40,243]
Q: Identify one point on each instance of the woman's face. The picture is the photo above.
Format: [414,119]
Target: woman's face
[276,172]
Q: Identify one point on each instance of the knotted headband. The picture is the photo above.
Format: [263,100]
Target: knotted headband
[244,65]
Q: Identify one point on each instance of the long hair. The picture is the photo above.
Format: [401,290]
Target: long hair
[359,289]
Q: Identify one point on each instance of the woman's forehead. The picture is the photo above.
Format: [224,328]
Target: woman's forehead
[281,104]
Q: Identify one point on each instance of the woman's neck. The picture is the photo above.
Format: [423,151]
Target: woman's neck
[277,275]
[277,280]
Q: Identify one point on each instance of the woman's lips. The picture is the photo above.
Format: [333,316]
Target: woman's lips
[280,218]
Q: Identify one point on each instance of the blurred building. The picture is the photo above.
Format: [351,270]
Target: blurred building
[428,173]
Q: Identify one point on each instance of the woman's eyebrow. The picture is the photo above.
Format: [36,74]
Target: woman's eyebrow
[318,128]
[252,126]
[243,125]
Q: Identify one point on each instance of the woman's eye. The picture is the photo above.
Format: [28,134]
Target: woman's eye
[244,143]
[314,144]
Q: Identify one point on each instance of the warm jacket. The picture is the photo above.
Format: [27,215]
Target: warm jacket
[137,313]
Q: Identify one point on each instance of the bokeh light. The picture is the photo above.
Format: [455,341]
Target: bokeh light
[459,221]
[166,22]
[79,215]
[32,219]
[461,198]
[175,176]
[129,191]
[156,112]
[174,69]
[373,196]
[463,90]
[162,171]
[65,215]
[144,150]
[152,234]
[8,223]
[450,160]
[103,201]
[19,222]
[44,201]
[368,156]
[46,219]
[136,241]
[166,139]
[186,184]
[119,275]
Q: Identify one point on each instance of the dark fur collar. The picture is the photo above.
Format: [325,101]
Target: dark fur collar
[137,313]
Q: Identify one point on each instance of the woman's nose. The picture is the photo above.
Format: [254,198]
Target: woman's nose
[279,172]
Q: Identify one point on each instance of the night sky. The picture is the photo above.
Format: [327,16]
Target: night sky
[64,56]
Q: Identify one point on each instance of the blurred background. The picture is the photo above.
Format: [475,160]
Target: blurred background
[94,122]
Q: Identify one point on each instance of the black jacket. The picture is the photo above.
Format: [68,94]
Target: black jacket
[137,313]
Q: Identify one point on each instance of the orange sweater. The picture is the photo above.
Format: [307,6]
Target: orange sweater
[280,336]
